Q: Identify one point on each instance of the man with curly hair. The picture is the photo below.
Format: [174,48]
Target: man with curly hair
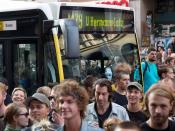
[72,101]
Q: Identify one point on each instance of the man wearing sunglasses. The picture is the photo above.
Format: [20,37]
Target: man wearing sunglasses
[39,107]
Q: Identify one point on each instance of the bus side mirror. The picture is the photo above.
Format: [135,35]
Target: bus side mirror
[70,32]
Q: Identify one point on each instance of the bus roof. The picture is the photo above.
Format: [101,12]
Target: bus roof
[92,4]
[55,6]
[51,9]
[8,6]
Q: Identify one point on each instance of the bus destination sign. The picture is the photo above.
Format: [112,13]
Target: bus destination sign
[100,19]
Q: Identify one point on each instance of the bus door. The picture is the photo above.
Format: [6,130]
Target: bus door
[18,63]
[22,49]
[24,64]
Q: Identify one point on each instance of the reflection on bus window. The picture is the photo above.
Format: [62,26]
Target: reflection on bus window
[25,66]
[100,53]
[1,61]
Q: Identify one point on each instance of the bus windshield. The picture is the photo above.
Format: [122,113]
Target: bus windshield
[107,37]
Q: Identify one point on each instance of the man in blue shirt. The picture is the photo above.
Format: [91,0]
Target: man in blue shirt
[149,70]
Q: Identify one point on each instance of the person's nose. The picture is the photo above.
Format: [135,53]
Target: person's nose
[132,93]
[127,82]
[34,109]
[64,105]
[158,110]
[100,97]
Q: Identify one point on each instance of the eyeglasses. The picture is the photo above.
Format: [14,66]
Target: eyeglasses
[24,114]
[51,97]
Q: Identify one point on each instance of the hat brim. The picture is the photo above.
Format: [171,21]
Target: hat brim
[133,87]
[30,99]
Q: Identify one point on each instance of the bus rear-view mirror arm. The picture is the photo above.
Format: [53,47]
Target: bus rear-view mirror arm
[70,32]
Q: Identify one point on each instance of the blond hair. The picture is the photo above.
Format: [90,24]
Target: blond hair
[158,89]
[3,87]
[44,90]
[122,67]
[20,89]
[111,123]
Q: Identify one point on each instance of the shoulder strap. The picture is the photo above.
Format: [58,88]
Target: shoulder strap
[146,67]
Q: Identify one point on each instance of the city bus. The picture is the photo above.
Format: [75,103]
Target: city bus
[38,41]
[29,50]
[107,37]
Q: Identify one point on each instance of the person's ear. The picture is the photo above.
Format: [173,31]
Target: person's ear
[48,109]
[163,75]
[172,106]
[15,118]
[4,95]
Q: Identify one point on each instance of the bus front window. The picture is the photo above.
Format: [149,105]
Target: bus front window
[100,54]
[108,50]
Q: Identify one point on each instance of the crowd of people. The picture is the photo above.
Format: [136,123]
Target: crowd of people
[97,104]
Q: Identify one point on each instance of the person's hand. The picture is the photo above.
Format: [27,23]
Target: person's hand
[57,118]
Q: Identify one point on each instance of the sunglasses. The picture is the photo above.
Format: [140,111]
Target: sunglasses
[51,97]
[24,114]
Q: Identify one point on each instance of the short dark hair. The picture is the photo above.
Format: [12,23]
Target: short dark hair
[151,49]
[104,82]
[88,81]
[163,69]
[12,110]
[4,81]
[168,60]
[128,125]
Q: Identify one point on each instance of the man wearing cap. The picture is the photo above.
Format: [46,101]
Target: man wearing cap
[134,96]
[38,107]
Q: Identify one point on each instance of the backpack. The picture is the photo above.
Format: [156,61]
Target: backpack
[136,71]
[146,67]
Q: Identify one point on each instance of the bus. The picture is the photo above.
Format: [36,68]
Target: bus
[40,44]
[29,49]
[107,37]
